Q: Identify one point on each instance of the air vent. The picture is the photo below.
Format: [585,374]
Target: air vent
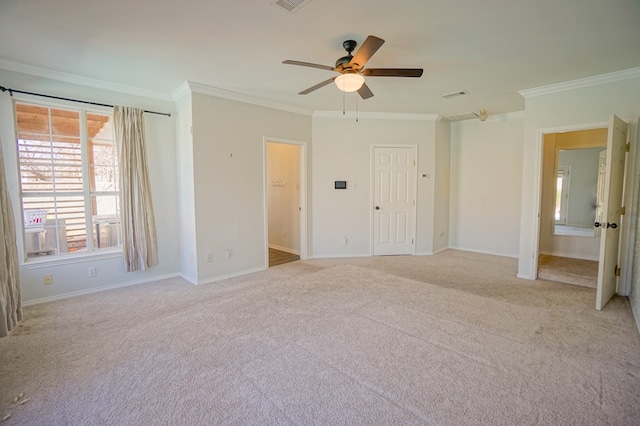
[291,6]
[454,94]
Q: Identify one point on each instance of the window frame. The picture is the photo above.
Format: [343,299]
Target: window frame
[87,194]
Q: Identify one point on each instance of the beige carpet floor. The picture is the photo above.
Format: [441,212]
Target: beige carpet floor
[449,339]
[568,270]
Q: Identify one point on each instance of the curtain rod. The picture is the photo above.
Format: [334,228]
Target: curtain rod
[12,91]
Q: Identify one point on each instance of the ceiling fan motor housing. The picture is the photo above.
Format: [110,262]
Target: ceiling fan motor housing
[349,46]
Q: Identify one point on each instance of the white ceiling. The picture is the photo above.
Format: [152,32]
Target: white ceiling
[490,48]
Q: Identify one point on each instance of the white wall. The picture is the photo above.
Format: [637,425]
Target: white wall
[342,150]
[567,109]
[486,173]
[442,195]
[575,106]
[185,184]
[72,278]
[229,179]
[283,193]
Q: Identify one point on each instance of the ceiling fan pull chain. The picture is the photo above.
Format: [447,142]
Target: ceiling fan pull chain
[343,103]
[357,110]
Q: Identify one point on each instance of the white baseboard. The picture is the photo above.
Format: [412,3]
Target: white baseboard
[572,256]
[525,277]
[232,275]
[636,316]
[493,253]
[341,256]
[431,253]
[192,280]
[96,290]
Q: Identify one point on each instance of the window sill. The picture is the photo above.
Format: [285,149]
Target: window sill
[69,259]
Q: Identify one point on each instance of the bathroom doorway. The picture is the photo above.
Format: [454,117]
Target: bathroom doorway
[285,206]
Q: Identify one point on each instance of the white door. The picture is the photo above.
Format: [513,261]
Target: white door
[610,236]
[394,215]
[602,169]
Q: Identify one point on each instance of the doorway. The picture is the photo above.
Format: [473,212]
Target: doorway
[611,256]
[569,243]
[285,201]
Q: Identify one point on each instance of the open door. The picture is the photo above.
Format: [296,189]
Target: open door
[610,225]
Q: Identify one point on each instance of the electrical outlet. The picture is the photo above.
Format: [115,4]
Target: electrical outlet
[48,279]
[344,241]
[93,272]
[228,254]
[209,258]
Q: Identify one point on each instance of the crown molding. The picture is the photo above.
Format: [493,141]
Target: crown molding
[239,97]
[376,115]
[470,116]
[80,80]
[181,91]
[506,116]
[582,82]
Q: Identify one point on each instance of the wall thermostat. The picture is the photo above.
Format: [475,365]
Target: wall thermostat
[340,184]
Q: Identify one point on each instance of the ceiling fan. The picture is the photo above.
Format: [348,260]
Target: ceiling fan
[352,70]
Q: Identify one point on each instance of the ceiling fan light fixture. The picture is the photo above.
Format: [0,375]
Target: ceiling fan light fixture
[349,82]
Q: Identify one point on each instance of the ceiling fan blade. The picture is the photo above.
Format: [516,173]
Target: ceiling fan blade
[317,86]
[365,92]
[365,52]
[309,64]
[392,72]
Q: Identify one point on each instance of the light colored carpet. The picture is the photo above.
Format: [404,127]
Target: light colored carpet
[567,270]
[449,339]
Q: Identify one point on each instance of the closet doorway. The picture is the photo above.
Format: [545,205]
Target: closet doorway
[285,201]
[572,198]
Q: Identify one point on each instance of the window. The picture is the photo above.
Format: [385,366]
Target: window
[68,179]
[562,194]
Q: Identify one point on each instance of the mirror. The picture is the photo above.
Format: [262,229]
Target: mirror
[577,204]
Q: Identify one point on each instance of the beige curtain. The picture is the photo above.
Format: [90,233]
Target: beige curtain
[10,301]
[139,241]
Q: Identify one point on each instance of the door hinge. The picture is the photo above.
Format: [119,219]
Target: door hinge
[412,241]
[414,161]
[622,210]
[617,271]
[627,147]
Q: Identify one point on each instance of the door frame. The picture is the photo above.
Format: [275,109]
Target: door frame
[540,134]
[629,196]
[372,192]
[303,194]
[630,200]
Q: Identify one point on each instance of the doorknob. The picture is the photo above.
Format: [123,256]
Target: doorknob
[377,207]
[597,224]
[612,225]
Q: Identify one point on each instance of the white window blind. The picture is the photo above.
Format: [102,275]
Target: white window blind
[68,175]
